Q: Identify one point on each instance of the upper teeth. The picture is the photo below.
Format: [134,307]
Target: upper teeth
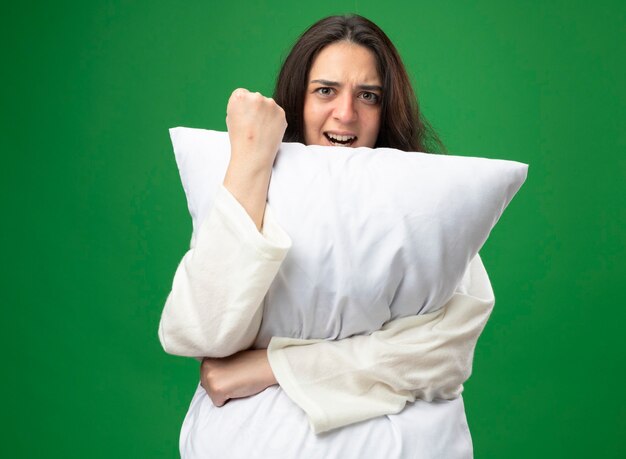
[341,138]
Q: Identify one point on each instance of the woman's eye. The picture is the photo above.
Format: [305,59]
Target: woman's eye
[370,97]
[324,91]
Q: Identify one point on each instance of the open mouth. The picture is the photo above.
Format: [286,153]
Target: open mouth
[340,140]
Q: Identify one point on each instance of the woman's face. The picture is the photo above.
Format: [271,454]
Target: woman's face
[342,99]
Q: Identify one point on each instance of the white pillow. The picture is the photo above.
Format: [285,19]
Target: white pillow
[377,233]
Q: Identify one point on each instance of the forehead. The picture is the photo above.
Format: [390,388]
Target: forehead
[345,62]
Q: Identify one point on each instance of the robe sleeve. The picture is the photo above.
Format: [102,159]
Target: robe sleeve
[427,356]
[215,306]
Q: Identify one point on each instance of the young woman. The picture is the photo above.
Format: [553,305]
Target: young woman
[343,84]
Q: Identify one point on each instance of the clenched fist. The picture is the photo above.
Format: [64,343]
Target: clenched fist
[239,375]
[256,125]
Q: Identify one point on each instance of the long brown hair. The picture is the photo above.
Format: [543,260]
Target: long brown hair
[402,125]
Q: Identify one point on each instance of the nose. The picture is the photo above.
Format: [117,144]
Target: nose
[345,111]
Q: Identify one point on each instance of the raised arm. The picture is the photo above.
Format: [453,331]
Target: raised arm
[214,307]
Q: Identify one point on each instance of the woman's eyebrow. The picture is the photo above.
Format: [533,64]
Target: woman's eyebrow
[370,87]
[326,82]
[366,87]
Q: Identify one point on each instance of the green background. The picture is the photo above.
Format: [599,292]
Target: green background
[95,220]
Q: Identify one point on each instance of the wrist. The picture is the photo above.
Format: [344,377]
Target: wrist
[250,190]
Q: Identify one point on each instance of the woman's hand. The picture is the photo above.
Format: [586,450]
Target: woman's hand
[256,126]
[239,375]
